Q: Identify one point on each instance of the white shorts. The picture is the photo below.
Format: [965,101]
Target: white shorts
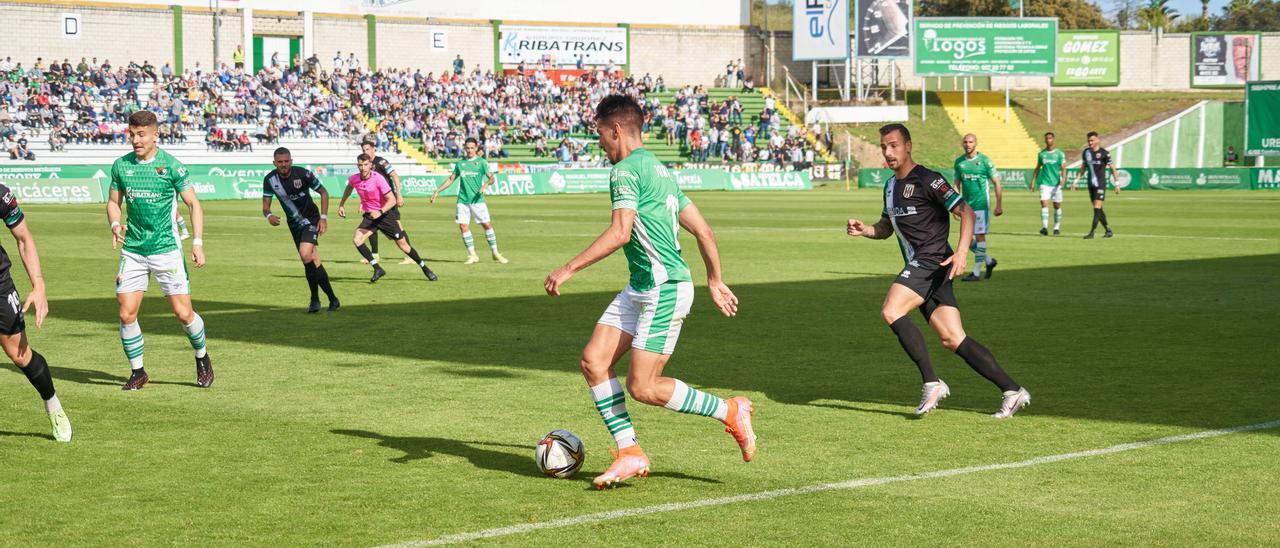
[980,221]
[1051,193]
[169,269]
[466,211]
[652,317]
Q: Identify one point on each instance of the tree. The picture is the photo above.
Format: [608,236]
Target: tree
[1243,15]
[1157,15]
[1071,14]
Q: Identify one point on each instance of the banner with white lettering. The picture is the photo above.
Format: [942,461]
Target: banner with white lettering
[819,30]
[562,45]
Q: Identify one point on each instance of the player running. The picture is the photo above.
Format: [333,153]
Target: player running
[646,317]
[1049,174]
[378,203]
[13,327]
[293,185]
[916,203]
[976,174]
[150,180]
[474,177]
[388,172]
[1094,162]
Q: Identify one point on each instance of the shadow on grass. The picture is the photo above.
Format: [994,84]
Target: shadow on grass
[1146,342]
[93,376]
[481,454]
[5,434]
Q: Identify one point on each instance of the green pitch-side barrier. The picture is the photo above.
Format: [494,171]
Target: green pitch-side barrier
[89,184]
[1218,178]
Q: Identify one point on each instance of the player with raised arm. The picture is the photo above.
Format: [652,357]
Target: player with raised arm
[293,186]
[976,174]
[13,325]
[388,172]
[378,203]
[1094,163]
[916,206]
[1049,175]
[474,177]
[149,181]
[646,317]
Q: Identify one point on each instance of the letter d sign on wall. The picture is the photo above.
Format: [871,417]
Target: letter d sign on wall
[71,25]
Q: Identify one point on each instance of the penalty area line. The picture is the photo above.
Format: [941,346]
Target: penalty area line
[821,487]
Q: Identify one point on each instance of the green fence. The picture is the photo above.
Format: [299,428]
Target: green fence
[88,184]
[1134,178]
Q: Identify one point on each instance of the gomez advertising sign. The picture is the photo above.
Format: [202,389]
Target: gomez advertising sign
[819,30]
[562,45]
[1221,60]
[987,45]
[1088,58]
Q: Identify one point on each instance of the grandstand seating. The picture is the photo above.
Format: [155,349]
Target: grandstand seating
[1007,143]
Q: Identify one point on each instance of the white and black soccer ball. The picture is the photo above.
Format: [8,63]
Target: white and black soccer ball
[560,454]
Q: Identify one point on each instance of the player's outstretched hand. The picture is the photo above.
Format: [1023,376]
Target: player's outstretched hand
[273,220]
[322,227]
[197,255]
[725,300]
[958,263]
[556,279]
[342,211]
[117,235]
[856,228]
[36,297]
[434,195]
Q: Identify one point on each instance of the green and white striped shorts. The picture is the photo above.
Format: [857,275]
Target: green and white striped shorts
[652,317]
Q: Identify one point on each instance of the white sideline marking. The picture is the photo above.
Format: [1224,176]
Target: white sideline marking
[1169,236]
[818,488]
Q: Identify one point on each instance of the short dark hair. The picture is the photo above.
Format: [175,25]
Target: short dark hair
[364,158]
[368,141]
[1091,134]
[1049,134]
[890,128]
[471,140]
[282,150]
[143,118]
[622,109]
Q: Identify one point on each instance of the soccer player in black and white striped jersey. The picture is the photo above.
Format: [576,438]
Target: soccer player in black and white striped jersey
[293,186]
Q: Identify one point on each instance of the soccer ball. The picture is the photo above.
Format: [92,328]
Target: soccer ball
[560,454]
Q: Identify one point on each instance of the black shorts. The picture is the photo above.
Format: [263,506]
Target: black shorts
[1098,193]
[11,321]
[309,234]
[931,281]
[388,224]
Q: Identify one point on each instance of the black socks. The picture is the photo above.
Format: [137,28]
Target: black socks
[913,342]
[37,371]
[981,360]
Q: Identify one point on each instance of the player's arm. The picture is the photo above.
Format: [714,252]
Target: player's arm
[1084,172]
[197,225]
[448,181]
[323,226]
[266,211]
[487,182]
[31,262]
[1115,177]
[114,213]
[342,204]
[995,180]
[388,203]
[1035,174]
[959,260]
[691,219]
[879,231]
[395,187]
[1063,171]
[617,235]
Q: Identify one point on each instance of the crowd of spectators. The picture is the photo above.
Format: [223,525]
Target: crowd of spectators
[89,102]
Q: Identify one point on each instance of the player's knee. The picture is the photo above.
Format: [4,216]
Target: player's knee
[889,315]
[128,317]
[951,341]
[644,391]
[185,316]
[20,356]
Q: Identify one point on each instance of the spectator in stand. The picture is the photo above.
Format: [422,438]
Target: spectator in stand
[1231,158]
[238,56]
[458,65]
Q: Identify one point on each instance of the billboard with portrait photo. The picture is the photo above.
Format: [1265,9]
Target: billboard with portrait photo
[1220,59]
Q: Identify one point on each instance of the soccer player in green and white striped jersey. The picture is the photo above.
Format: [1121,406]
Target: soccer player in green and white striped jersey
[149,181]
[474,176]
[645,318]
[975,174]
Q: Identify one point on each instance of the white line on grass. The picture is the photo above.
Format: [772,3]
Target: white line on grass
[818,488]
[1171,236]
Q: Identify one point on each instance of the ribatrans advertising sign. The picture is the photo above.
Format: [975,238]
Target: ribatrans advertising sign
[562,45]
[883,28]
[819,30]
[1221,60]
[987,45]
[1088,58]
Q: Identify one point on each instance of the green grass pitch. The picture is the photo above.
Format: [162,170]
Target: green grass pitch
[411,414]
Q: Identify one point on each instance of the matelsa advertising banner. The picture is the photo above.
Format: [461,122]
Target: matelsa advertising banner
[1220,59]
